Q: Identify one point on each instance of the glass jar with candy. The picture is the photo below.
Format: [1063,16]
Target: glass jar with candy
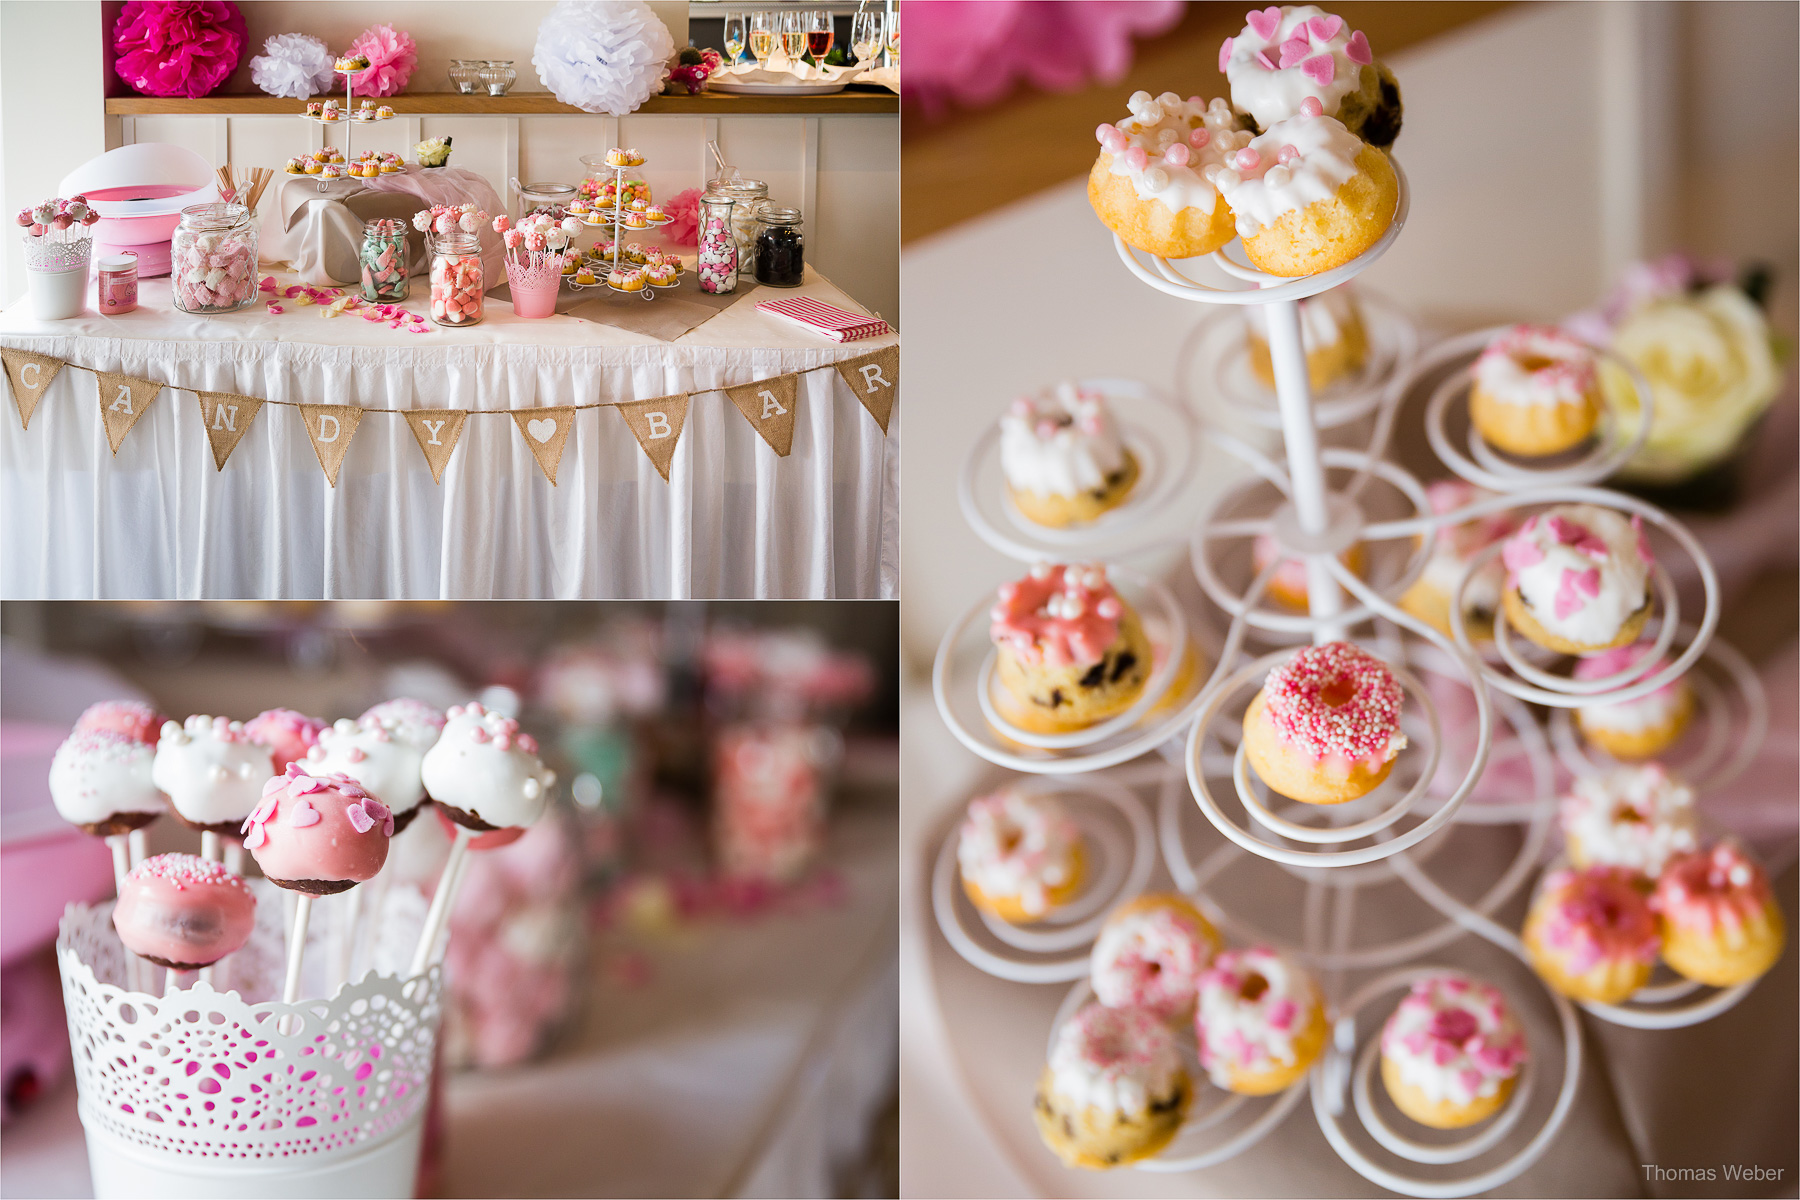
[212,259]
[780,247]
[717,265]
[383,261]
[456,279]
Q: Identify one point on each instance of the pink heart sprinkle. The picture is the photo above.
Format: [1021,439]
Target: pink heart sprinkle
[1358,49]
[303,815]
[359,818]
[1294,50]
[1310,107]
[1521,553]
[1442,1052]
[256,839]
[1471,1079]
[1262,56]
[1225,52]
[1265,22]
[1321,69]
[1325,28]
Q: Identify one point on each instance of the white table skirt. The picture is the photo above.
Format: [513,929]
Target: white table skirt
[158,521]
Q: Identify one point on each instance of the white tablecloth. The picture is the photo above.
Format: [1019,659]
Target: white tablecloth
[158,521]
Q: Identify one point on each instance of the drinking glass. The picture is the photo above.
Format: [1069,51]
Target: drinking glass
[893,39]
[763,35]
[819,34]
[734,37]
[865,35]
[793,34]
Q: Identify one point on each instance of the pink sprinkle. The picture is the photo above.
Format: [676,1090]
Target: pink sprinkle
[1262,56]
[256,838]
[1246,159]
[527,743]
[1643,542]
[1321,69]
[1225,52]
[1442,1052]
[502,742]
[1199,137]
[1519,553]
[1568,598]
[1177,155]
[1137,158]
[355,754]
[1282,1013]
[1325,28]
[1294,50]
[1102,131]
[1358,49]
[1287,154]
[1311,107]
[303,815]
[360,820]
[1265,21]
[478,735]
[1471,1079]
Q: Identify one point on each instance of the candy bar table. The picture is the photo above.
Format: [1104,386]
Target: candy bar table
[157,520]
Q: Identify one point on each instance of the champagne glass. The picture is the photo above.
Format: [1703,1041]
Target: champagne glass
[819,34]
[734,37]
[865,35]
[763,34]
[893,38]
[793,34]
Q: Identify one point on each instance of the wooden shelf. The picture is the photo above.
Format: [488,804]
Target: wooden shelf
[438,104]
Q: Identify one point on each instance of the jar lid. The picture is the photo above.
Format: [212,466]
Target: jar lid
[117,262]
[771,215]
[220,214]
[746,187]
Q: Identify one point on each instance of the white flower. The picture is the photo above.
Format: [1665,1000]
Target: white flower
[602,55]
[1711,372]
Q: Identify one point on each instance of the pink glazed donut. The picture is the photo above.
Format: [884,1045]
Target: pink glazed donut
[127,718]
[181,911]
[287,734]
[318,834]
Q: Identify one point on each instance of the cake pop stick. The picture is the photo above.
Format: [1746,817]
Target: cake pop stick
[316,837]
[210,848]
[140,846]
[486,776]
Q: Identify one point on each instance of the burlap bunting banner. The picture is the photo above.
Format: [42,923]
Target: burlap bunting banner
[768,404]
[123,399]
[437,430]
[546,431]
[330,427]
[657,424]
[30,374]
[875,379]
[227,417]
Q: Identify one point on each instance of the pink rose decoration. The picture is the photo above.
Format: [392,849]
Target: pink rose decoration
[392,57]
[177,47]
[684,218]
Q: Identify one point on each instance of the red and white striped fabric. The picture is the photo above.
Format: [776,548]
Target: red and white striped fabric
[838,324]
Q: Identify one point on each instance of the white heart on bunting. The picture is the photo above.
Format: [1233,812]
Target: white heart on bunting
[542,430]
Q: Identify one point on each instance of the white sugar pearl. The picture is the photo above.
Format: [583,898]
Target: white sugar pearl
[1168,100]
[1276,176]
[1156,179]
[1217,119]
[1166,138]
[1138,101]
[1040,570]
[1152,113]
[1210,173]
[1740,875]
[217,773]
[1226,178]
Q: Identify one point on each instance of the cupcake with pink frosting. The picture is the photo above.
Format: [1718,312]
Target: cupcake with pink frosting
[318,835]
[1071,652]
[1721,925]
[1591,934]
[1633,729]
[1452,1052]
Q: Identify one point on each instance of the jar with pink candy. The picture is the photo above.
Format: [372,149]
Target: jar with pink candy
[456,275]
[717,267]
[383,261]
[212,259]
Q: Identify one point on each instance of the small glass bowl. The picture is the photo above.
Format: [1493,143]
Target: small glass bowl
[498,75]
[465,75]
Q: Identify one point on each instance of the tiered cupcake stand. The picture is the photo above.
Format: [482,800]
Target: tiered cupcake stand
[347,120]
[1180,741]
[619,230]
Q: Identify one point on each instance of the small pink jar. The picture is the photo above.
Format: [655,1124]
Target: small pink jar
[118,284]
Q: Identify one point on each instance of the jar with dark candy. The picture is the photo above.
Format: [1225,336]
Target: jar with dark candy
[780,247]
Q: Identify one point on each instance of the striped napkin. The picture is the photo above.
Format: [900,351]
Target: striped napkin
[838,324]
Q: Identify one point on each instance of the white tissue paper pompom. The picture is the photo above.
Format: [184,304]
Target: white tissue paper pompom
[294,65]
[602,56]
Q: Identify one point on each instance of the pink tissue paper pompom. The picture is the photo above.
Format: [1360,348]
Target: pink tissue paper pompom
[683,211]
[392,57]
[177,47]
[973,52]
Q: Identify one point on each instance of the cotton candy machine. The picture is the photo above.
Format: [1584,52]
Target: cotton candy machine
[139,192]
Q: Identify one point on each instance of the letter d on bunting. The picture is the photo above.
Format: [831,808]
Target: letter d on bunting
[30,374]
[769,404]
[656,424]
[330,428]
[437,430]
[123,399]
[226,416]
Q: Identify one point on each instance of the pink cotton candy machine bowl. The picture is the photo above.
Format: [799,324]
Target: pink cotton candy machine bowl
[139,192]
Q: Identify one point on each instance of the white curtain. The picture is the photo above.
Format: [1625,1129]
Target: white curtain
[158,521]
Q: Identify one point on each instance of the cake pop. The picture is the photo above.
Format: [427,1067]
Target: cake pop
[414,720]
[181,911]
[375,754]
[213,772]
[128,718]
[100,782]
[287,734]
[318,834]
[486,774]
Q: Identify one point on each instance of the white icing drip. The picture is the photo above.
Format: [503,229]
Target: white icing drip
[1637,817]
[1502,374]
[1159,123]
[1114,1060]
[1018,845]
[506,787]
[376,756]
[1164,936]
[93,776]
[1456,545]
[208,779]
[1624,575]
[1061,443]
[1489,1052]
[1262,194]
[1654,711]
[1273,96]
[1248,1035]
[1323,318]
